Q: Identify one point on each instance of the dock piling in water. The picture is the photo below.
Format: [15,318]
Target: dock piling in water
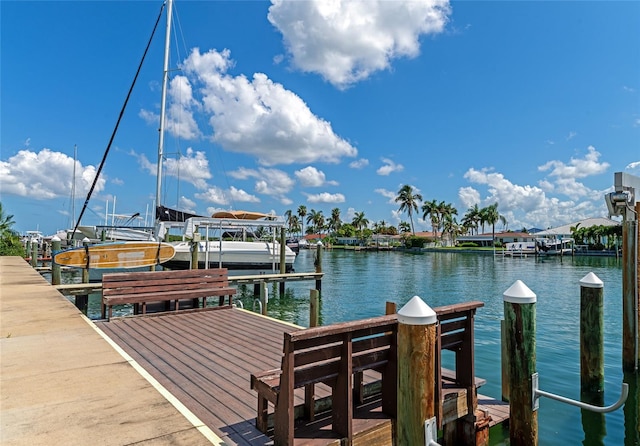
[56,277]
[520,335]
[592,339]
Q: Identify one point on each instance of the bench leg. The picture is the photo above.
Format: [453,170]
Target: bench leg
[310,402]
[358,388]
[263,414]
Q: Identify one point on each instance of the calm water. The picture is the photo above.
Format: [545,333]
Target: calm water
[357,285]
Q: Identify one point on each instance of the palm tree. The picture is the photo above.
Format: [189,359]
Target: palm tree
[317,219]
[408,202]
[6,222]
[335,221]
[404,227]
[472,218]
[302,213]
[492,216]
[359,222]
[430,208]
[448,222]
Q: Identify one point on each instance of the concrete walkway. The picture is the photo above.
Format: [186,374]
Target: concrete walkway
[62,383]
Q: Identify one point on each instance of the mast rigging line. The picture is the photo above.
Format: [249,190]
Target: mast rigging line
[115,130]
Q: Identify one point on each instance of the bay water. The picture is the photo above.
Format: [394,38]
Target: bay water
[357,284]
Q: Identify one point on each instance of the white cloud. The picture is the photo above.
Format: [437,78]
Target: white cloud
[45,175]
[259,117]
[571,135]
[389,167]
[192,167]
[326,197]
[632,166]
[359,164]
[187,205]
[468,196]
[272,182]
[310,177]
[214,195]
[348,41]
[577,168]
[390,195]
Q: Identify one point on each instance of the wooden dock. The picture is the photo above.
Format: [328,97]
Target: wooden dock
[57,369]
[63,383]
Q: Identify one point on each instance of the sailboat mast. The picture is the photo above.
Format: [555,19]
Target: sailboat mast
[73,187]
[163,104]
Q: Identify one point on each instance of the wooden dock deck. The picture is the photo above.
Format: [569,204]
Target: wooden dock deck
[201,360]
[62,383]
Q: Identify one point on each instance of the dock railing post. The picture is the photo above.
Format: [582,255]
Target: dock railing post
[56,245]
[520,335]
[416,371]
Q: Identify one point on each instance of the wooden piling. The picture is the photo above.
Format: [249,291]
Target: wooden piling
[34,254]
[56,275]
[283,258]
[194,254]
[591,339]
[264,297]
[520,334]
[504,362]
[318,264]
[630,312]
[314,308]
[416,371]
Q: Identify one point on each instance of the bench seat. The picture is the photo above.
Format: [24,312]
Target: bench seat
[140,288]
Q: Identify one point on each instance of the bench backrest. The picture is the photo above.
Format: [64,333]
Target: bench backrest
[332,353]
[163,281]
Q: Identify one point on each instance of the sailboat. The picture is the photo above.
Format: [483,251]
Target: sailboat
[229,239]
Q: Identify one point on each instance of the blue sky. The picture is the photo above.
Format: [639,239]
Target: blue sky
[274,105]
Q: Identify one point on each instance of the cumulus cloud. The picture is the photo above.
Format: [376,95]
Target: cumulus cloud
[389,195]
[389,167]
[312,177]
[633,166]
[192,167]
[45,175]
[223,197]
[257,116]
[529,206]
[346,41]
[272,182]
[326,197]
[359,164]
[576,168]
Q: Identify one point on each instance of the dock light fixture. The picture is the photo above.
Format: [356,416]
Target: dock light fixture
[618,202]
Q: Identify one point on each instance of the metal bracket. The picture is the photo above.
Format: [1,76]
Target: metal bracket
[537,393]
[431,432]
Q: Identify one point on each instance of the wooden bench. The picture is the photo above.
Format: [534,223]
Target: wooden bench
[140,288]
[337,355]
[331,355]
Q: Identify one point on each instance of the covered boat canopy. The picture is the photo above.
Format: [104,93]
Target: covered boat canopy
[242,215]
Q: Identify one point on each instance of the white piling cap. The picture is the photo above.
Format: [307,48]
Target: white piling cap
[417,312]
[55,238]
[519,293]
[591,281]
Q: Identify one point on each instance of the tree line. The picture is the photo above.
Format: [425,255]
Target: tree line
[10,244]
[442,216]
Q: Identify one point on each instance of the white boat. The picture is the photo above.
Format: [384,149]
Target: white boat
[554,247]
[238,250]
[232,254]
